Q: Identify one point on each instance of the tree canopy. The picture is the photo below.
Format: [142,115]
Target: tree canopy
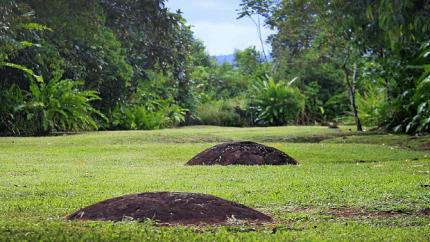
[134,64]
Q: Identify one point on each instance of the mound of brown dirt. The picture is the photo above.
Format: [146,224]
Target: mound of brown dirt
[170,208]
[242,153]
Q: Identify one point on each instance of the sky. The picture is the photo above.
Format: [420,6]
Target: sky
[214,22]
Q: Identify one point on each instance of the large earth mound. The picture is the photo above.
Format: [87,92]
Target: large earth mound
[242,153]
[170,208]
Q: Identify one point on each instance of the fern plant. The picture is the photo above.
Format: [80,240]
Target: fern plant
[275,103]
[138,118]
[420,98]
[372,105]
[60,105]
[12,108]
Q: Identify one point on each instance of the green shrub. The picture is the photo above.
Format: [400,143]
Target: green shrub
[372,105]
[334,104]
[150,106]
[12,111]
[60,105]
[314,108]
[230,112]
[138,117]
[420,123]
[145,120]
[175,114]
[275,103]
[54,106]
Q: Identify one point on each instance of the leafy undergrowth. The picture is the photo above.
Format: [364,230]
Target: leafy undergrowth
[44,179]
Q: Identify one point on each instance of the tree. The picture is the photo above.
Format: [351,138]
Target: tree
[110,45]
[300,50]
[403,41]
[249,61]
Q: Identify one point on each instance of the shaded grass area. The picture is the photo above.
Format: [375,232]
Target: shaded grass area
[44,179]
[202,134]
[403,141]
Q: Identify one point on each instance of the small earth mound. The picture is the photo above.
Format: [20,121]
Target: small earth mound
[242,153]
[170,208]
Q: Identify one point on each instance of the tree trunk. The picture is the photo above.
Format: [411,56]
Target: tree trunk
[351,91]
[260,36]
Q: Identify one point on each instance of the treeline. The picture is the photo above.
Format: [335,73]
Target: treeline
[78,65]
[373,56]
[69,66]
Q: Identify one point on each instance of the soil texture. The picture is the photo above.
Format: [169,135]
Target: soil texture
[242,153]
[170,208]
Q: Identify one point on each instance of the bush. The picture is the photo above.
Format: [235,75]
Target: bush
[372,105]
[54,106]
[230,112]
[314,107]
[155,115]
[275,103]
[151,106]
[61,106]
[137,118]
[12,116]
[334,105]
[420,123]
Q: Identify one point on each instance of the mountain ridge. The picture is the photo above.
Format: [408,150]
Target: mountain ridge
[221,59]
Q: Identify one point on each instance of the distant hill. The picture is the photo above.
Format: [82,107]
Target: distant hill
[221,59]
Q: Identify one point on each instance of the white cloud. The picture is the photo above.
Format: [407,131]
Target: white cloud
[216,25]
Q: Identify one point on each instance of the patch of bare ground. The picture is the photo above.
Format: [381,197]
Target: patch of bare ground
[353,212]
[425,146]
[360,212]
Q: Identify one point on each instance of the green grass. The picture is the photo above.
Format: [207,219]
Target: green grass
[404,141]
[44,179]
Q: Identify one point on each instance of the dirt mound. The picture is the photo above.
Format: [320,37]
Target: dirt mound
[170,208]
[242,153]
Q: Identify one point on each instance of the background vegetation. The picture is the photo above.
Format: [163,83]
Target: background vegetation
[133,64]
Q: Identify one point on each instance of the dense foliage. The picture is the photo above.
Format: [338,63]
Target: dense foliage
[376,51]
[133,64]
[276,103]
[109,45]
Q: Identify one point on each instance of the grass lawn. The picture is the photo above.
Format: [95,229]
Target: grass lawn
[386,177]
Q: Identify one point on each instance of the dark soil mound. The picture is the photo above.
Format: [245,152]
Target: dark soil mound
[170,208]
[242,153]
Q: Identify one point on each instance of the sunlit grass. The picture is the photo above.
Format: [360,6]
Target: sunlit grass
[44,179]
